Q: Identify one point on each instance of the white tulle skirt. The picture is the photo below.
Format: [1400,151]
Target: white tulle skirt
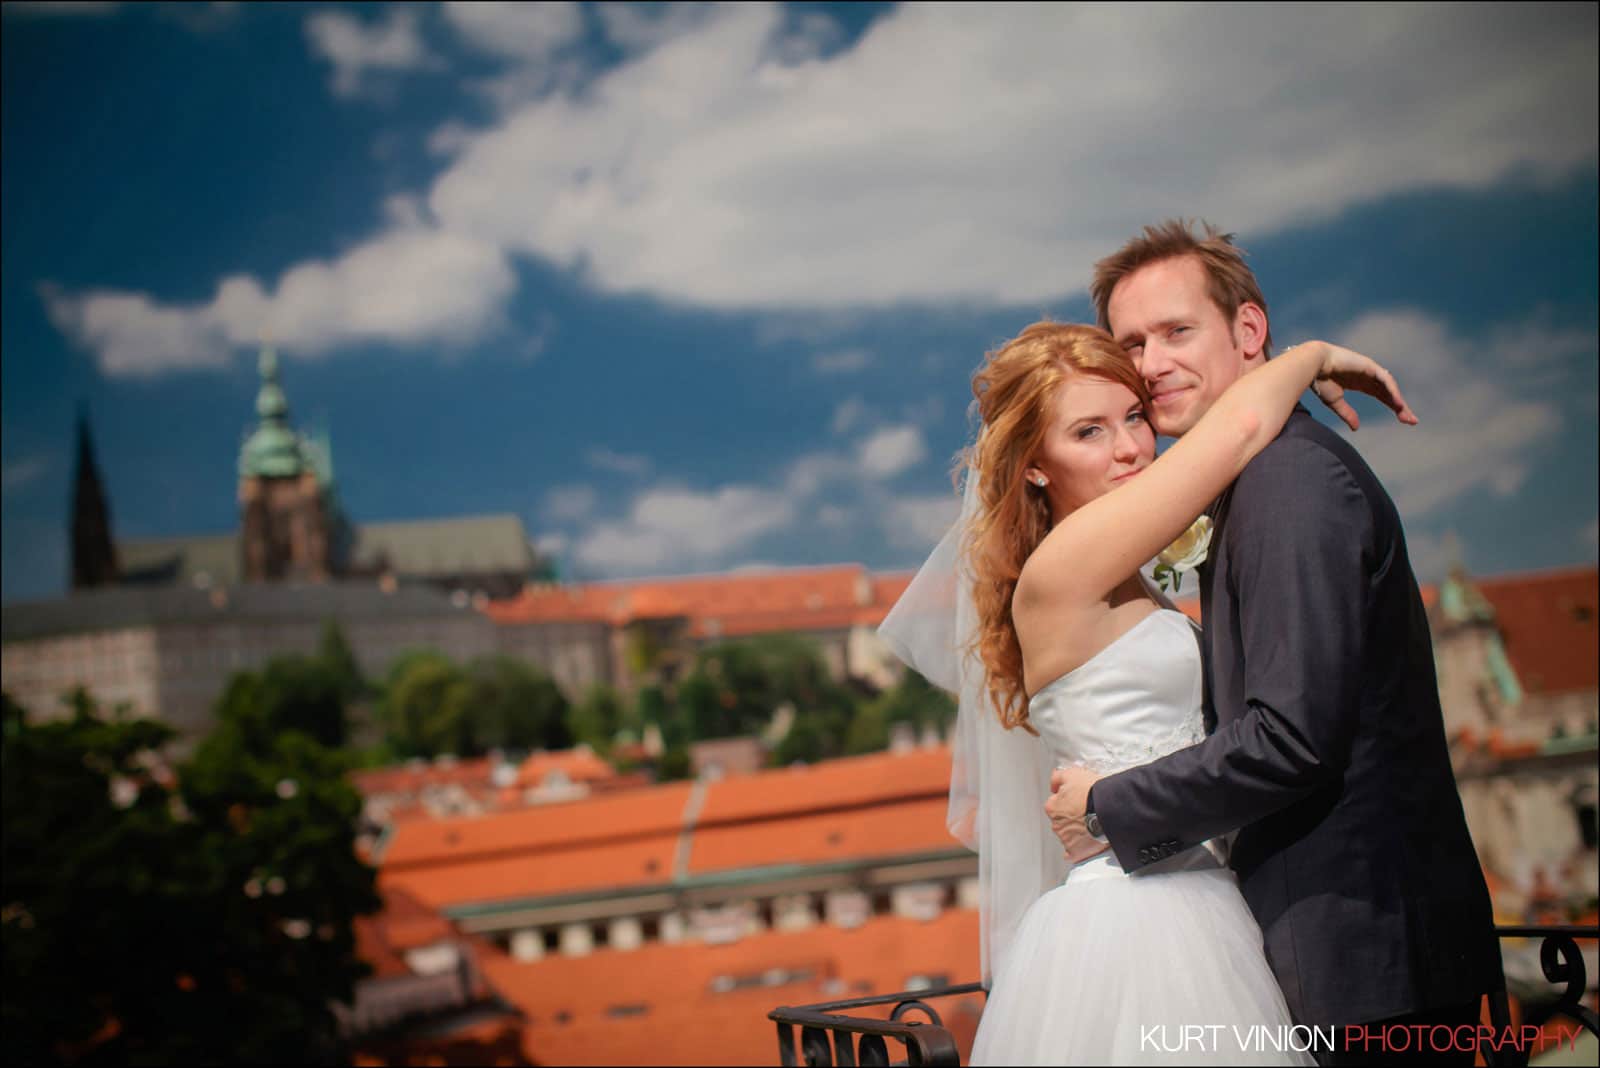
[1151,968]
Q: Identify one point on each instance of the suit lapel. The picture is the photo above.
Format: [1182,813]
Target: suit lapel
[1208,571]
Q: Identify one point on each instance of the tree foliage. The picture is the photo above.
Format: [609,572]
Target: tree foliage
[432,706]
[156,919]
[596,719]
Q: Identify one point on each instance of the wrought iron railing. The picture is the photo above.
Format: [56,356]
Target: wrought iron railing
[1561,961]
[830,1035]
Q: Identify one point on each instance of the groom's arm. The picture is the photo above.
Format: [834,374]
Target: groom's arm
[1300,545]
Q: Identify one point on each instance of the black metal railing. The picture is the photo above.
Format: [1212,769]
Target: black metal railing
[1561,961]
[830,1035]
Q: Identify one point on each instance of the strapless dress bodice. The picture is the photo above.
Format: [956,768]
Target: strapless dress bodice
[1137,699]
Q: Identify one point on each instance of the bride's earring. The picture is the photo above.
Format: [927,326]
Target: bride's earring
[1040,481]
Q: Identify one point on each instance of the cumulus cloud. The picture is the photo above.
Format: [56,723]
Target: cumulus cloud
[519,30]
[355,47]
[711,170]
[675,528]
[412,284]
[918,522]
[849,414]
[1478,434]
[672,528]
[737,159]
[891,450]
[570,502]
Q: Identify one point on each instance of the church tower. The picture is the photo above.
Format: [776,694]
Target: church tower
[284,524]
[94,556]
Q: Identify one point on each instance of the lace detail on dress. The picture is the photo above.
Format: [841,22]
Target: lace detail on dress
[1109,758]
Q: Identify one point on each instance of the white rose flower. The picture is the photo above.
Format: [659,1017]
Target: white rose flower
[1185,554]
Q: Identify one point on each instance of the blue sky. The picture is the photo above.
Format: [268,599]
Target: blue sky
[700,287]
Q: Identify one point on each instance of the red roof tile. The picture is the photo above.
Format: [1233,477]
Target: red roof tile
[879,830]
[539,873]
[719,605]
[849,781]
[684,1021]
[644,812]
[1550,622]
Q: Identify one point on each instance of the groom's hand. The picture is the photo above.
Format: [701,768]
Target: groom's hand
[1069,799]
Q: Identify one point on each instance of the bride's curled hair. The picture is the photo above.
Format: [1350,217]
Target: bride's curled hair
[1014,393]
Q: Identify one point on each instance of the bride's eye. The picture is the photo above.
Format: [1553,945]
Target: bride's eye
[1136,416]
[1085,433]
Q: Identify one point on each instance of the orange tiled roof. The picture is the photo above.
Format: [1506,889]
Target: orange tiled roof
[857,807]
[636,813]
[881,829]
[402,923]
[578,765]
[410,778]
[684,1021]
[719,605]
[1550,622]
[568,869]
[845,782]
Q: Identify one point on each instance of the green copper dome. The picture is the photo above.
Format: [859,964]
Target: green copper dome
[272,450]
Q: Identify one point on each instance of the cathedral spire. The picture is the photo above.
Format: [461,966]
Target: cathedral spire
[94,556]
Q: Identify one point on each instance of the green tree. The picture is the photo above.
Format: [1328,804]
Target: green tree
[513,705]
[425,707]
[305,694]
[149,920]
[336,656]
[596,719]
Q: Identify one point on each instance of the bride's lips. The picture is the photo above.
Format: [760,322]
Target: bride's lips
[1124,478]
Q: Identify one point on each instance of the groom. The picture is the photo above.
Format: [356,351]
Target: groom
[1327,750]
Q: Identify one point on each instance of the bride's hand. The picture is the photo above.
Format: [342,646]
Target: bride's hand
[1344,369]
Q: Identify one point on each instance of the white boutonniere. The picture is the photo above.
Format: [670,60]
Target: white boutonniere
[1185,554]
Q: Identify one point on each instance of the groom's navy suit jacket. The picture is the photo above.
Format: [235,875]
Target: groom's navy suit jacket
[1328,750]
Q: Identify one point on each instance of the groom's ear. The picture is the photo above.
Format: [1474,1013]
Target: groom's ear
[1250,328]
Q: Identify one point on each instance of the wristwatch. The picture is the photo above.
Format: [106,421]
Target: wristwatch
[1091,823]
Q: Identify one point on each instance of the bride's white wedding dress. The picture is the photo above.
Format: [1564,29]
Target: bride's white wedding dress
[1164,965]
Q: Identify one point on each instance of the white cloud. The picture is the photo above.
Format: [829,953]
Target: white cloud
[841,361]
[850,413]
[671,528]
[410,285]
[550,546]
[640,27]
[23,472]
[519,30]
[570,502]
[635,465]
[918,522]
[731,160]
[891,450]
[1432,556]
[710,170]
[355,47]
[1477,434]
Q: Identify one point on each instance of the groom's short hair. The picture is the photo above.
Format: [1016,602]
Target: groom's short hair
[1229,280]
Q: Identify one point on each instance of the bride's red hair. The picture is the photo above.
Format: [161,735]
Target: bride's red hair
[1014,393]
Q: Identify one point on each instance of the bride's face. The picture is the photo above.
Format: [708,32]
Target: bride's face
[1098,437]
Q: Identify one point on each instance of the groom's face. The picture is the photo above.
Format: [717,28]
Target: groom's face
[1187,350]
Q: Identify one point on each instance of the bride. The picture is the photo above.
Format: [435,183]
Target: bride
[1034,612]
